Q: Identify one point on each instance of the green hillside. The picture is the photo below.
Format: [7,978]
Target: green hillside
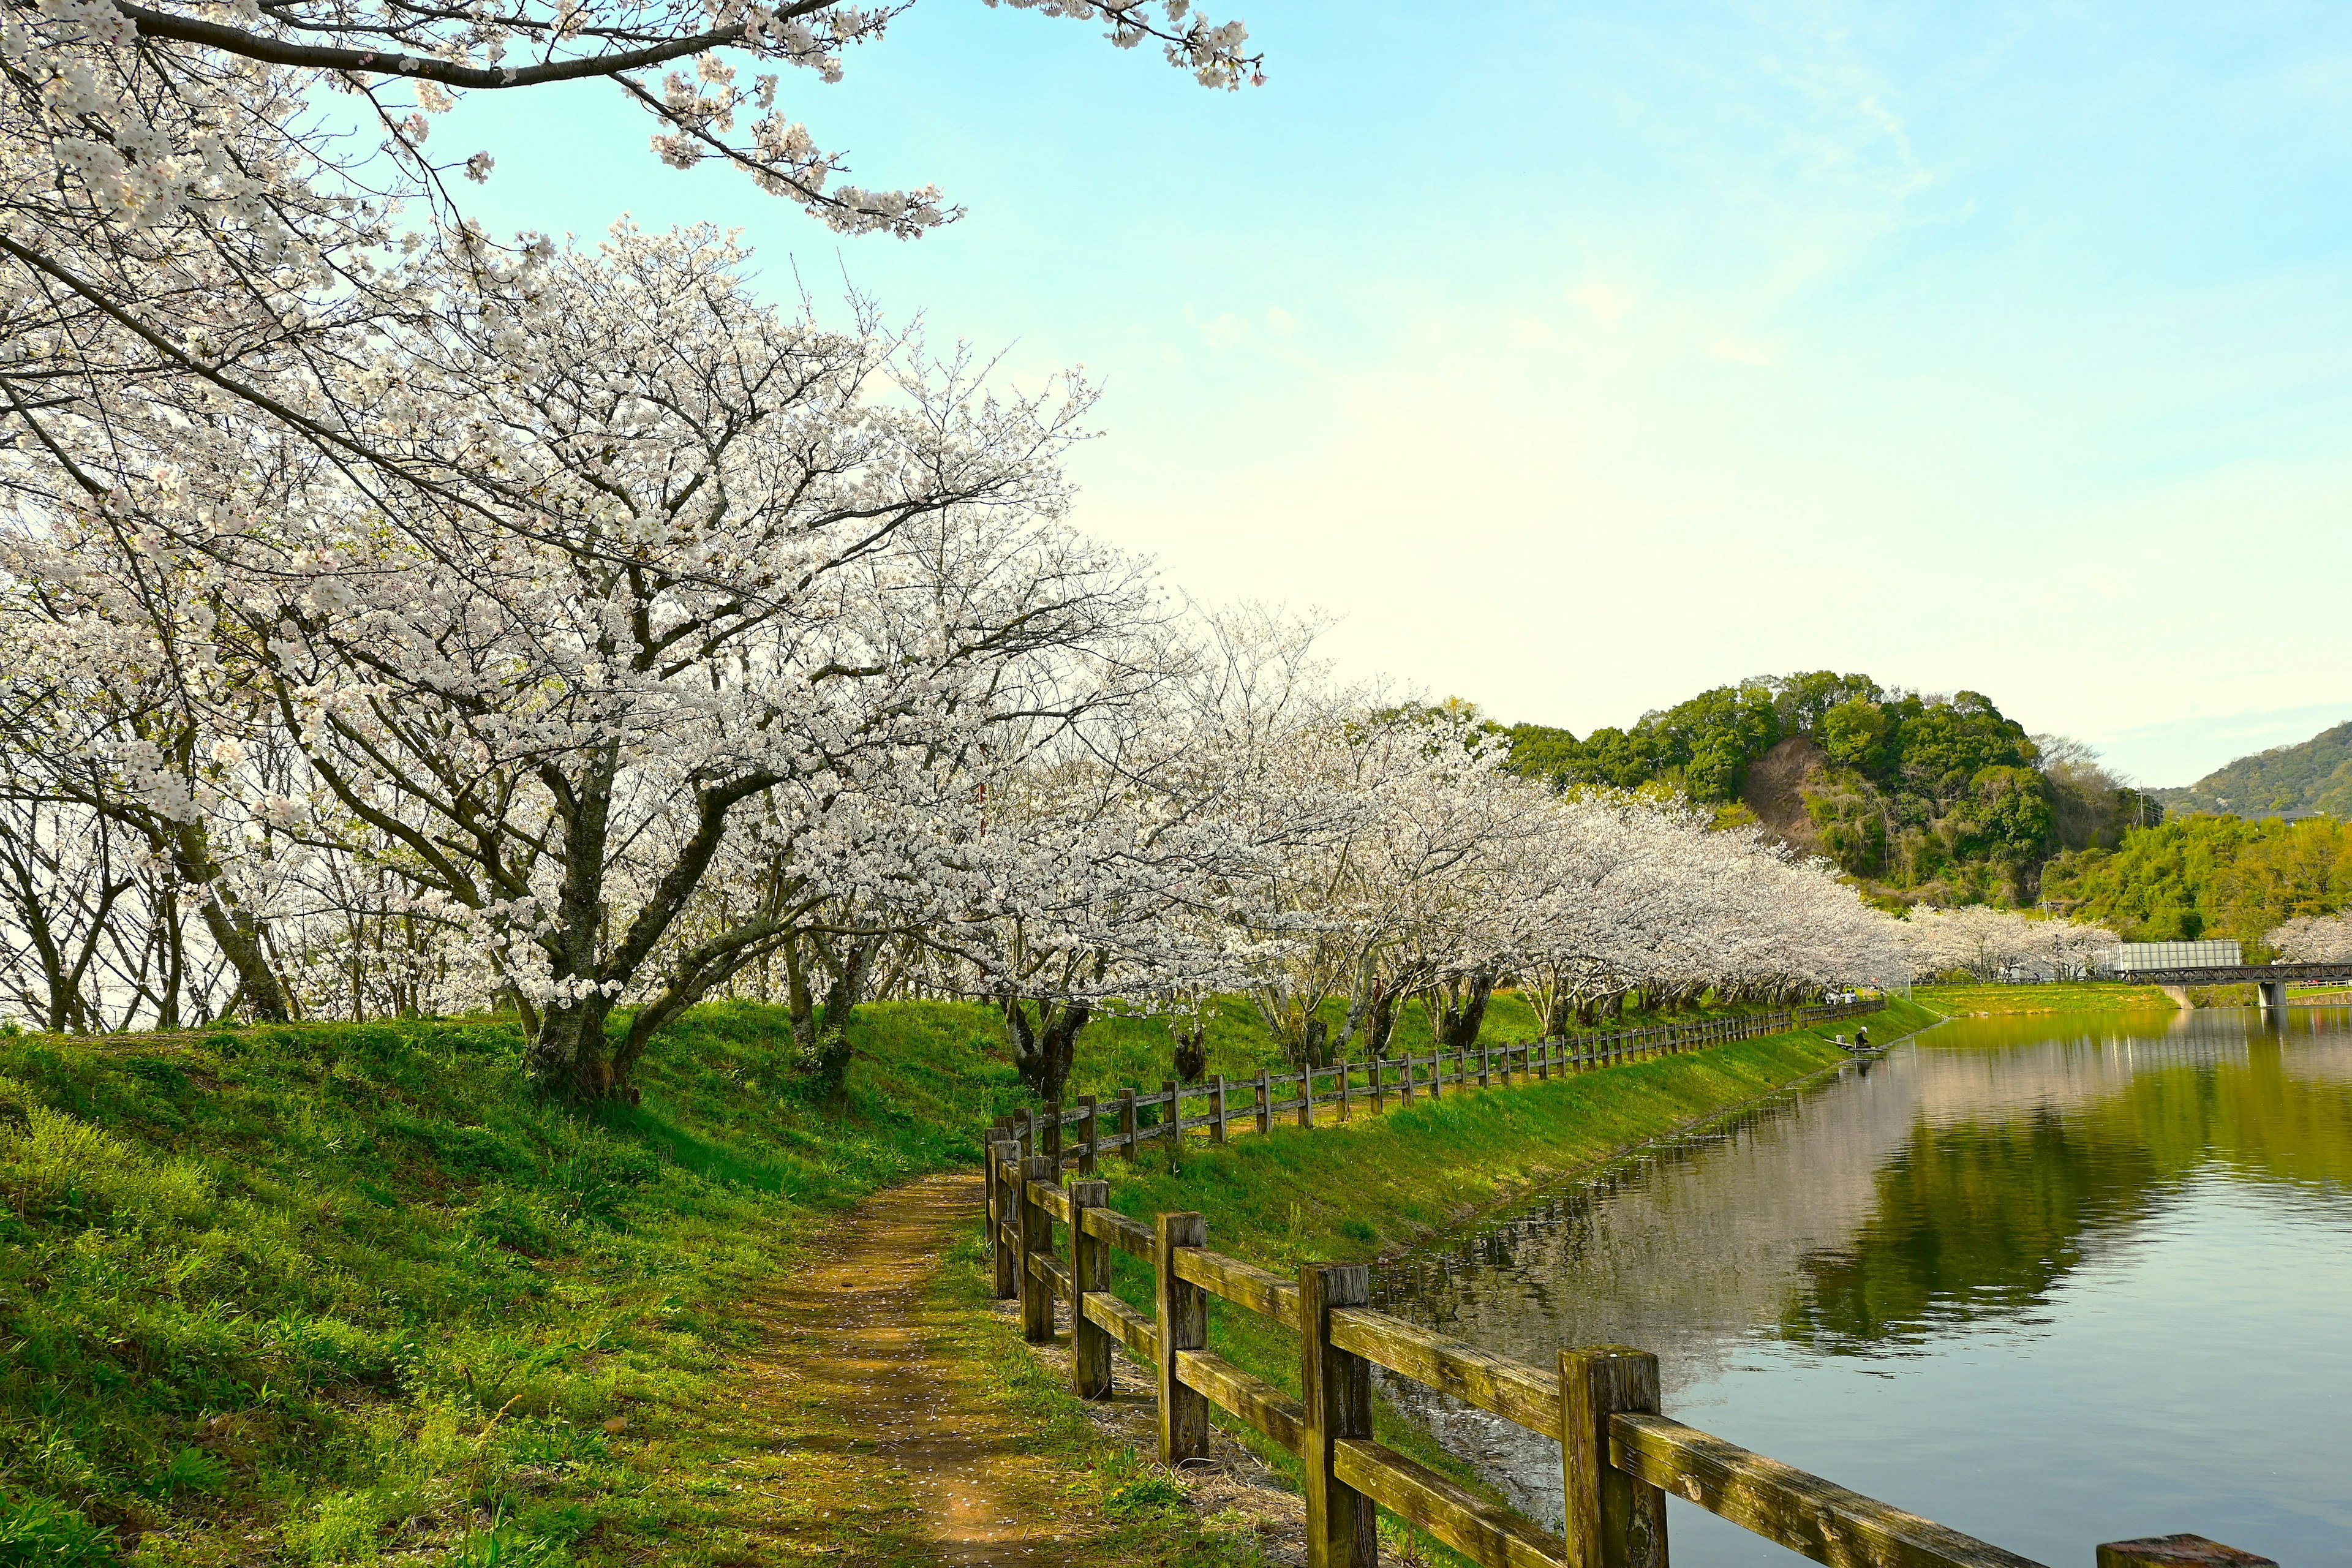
[1914,795]
[2312,776]
[2207,876]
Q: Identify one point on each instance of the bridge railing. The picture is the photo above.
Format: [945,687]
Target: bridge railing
[1620,1454]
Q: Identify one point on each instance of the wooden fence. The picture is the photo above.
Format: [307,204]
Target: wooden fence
[1620,1454]
[1077,1134]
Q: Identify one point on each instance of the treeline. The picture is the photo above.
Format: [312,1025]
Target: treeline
[2207,877]
[1940,798]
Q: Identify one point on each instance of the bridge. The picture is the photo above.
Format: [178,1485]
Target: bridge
[2270,980]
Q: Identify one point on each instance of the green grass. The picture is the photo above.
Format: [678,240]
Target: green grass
[1136,1051]
[1380,1184]
[316,1293]
[331,1293]
[2077,996]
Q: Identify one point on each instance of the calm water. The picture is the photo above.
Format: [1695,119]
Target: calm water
[2052,1284]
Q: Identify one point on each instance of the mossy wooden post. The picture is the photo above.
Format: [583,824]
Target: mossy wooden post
[1613,1519]
[1126,1122]
[1181,1316]
[1347,1090]
[1001,1154]
[1090,1342]
[988,1142]
[1217,1109]
[1036,1241]
[1336,1387]
[1306,1097]
[1051,1146]
[1264,1102]
[2177,1552]
[1174,1119]
[1089,1135]
[1022,1133]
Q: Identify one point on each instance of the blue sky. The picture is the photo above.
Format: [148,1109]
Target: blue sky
[1577,358]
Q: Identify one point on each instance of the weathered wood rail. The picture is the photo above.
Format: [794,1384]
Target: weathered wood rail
[1080,1135]
[1052,1243]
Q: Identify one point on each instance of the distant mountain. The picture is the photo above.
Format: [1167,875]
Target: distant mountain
[2289,780]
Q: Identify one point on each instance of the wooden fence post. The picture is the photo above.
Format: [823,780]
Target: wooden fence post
[1126,1122]
[1089,1134]
[1264,1102]
[1175,1121]
[1036,1241]
[1487,1066]
[1406,1087]
[2177,1552]
[988,1142]
[1613,1519]
[1001,1156]
[1090,1271]
[1337,1389]
[1307,1095]
[1217,1110]
[1182,1319]
[1051,1146]
[1023,1134]
[1347,1090]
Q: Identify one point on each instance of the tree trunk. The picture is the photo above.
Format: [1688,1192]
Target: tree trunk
[828,1062]
[1462,1023]
[1192,1051]
[233,930]
[1047,1047]
[1382,1023]
[569,1057]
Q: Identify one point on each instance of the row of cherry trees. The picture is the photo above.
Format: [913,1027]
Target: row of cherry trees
[392,620]
[1987,942]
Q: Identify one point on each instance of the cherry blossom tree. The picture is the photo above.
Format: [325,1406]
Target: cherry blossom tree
[2314,939]
[202,202]
[662,550]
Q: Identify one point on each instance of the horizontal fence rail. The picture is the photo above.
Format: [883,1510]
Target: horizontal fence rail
[1053,1241]
[1080,1134]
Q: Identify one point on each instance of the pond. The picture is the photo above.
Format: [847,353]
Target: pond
[2050,1280]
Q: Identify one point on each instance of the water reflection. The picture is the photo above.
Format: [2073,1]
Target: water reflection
[2047,1224]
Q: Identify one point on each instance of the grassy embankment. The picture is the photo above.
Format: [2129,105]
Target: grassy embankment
[2077,996]
[323,1293]
[1377,1186]
[326,1293]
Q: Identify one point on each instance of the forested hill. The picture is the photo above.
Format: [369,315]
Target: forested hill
[1916,795]
[2315,776]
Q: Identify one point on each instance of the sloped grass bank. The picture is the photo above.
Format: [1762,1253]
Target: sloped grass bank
[1380,1186]
[341,1293]
[327,1293]
[2073,996]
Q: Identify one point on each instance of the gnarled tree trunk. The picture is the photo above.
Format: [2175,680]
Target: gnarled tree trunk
[1045,1046]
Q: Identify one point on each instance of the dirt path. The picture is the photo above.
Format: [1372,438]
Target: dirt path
[852,1333]
[893,1433]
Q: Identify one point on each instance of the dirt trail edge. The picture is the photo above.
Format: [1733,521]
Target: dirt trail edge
[849,1331]
[896,1432]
